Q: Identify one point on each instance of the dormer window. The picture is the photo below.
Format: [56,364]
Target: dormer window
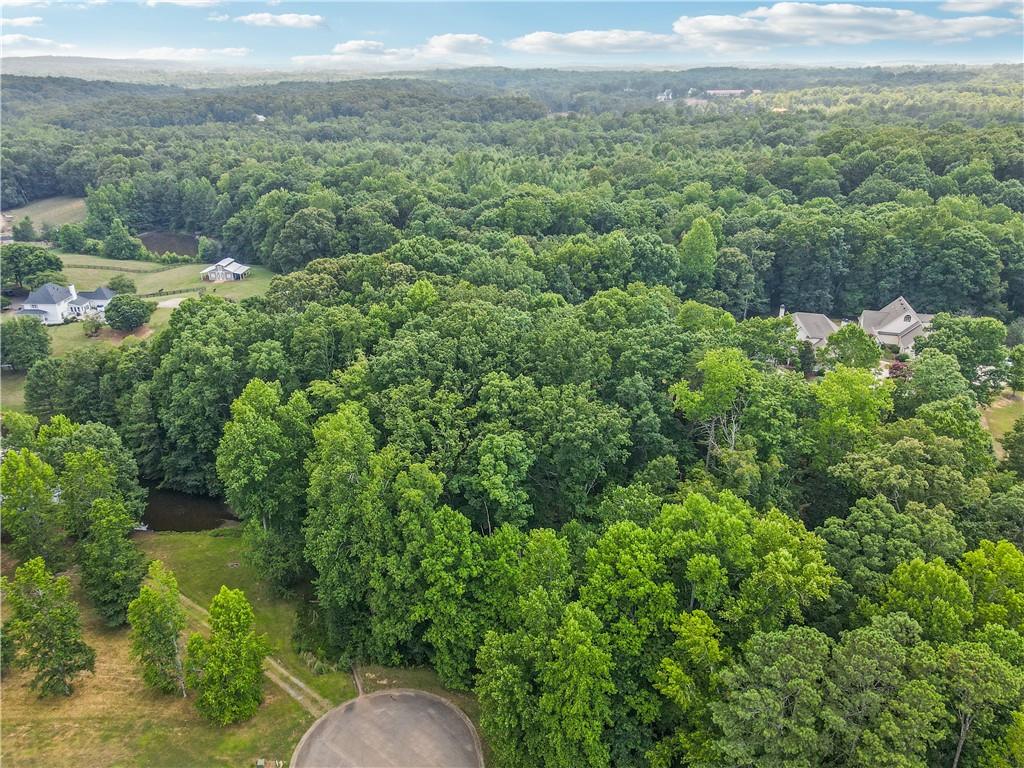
[906,318]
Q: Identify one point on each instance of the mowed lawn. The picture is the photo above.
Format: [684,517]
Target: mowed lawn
[204,560]
[112,718]
[56,211]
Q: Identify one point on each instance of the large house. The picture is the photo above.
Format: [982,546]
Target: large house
[897,323]
[225,269]
[813,327]
[54,304]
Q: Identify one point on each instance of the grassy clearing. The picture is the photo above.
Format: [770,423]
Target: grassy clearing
[52,210]
[113,719]
[1000,416]
[12,391]
[205,560]
[90,272]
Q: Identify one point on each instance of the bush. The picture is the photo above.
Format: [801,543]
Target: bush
[126,312]
[71,237]
[23,231]
[121,284]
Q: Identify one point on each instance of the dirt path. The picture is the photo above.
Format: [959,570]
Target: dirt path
[309,699]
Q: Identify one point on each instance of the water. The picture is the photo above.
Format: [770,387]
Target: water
[174,511]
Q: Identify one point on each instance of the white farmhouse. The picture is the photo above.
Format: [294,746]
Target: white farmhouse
[54,304]
[897,323]
[225,269]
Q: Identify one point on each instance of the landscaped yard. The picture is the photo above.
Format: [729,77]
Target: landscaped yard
[114,719]
[53,210]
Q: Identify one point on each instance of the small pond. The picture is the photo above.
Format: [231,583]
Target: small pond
[170,242]
[174,511]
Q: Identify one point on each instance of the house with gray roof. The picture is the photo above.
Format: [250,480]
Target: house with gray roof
[897,324]
[53,304]
[813,327]
[225,269]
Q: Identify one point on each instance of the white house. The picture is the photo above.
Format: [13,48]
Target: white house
[811,326]
[225,269]
[54,304]
[897,323]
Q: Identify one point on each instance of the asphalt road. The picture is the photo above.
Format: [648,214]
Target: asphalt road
[391,729]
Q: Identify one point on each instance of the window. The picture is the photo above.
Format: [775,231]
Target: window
[906,318]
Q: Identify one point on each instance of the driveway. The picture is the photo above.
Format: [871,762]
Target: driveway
[396,728]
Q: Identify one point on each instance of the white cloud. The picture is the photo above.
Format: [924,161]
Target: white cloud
[218,17]
[795,23]
[459,50]
[21,21]
[24,3]
[290,20]
[191,54]
[591,41]
[980,6]
[18,43]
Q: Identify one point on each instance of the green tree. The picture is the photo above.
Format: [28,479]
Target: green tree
[1013,446]
[977,343]
[19,430]
[226,668]
[121,244]
[23,231]
[71,238]
[309,234]
[19,262]
[85,478]
[776,708]
[852,347]
[933,594]
[851,405]
[995,574]
[157,618]
[979,687]
[126,312]
[46,629]
[31,514]
[121,283]
[698,250]
[1015,372]
[934,375]
[260,461]
[112,566]
[25,341]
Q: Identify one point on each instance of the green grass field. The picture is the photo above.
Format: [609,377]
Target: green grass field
[53,210]
[12,391]
[205,560]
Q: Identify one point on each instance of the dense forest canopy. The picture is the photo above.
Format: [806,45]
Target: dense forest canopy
[520,404]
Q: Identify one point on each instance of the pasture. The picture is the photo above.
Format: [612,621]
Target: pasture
[52,210]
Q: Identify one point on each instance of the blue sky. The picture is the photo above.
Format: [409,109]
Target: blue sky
[412,35]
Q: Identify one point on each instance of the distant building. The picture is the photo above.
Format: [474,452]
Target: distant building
[225,269]
[897,324]
[725,91]
[665,95]
[812,327]
[54,304]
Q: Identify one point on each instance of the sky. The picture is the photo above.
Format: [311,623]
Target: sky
[382,36]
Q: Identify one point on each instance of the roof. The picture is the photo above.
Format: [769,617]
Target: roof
[815,325]
[49,293]
[25,311]
[101,293]
[229,264]
[873,320]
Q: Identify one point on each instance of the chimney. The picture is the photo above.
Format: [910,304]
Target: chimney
[782,310]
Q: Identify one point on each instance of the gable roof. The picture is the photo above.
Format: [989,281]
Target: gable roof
[100,293]
[49,293]
[815,325]
[872,320]
[229,264]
